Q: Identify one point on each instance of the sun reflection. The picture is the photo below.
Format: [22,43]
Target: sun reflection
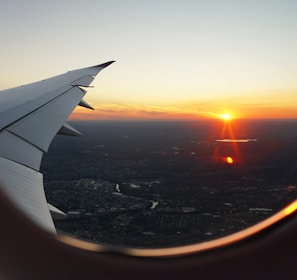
[290,209]
[228,143]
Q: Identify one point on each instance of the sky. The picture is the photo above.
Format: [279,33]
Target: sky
[175,59]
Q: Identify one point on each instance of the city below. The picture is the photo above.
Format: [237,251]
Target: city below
[162,184]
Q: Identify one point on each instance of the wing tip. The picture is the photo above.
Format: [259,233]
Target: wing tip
[103,65]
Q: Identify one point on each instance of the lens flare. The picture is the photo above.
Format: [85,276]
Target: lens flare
[229,160]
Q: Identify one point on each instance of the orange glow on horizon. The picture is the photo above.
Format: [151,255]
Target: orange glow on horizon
[110,111]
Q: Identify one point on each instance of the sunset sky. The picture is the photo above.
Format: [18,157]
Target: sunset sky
[174,58]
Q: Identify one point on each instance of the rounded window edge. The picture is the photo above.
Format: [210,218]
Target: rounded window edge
[179,251]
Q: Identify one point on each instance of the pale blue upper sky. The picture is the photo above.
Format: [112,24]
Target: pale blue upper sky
[166,50]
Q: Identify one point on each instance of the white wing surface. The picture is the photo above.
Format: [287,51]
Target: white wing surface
[30,117]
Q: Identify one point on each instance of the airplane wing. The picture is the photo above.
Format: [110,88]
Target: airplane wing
[30,117]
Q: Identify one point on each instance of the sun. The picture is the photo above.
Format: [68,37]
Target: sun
[226,116]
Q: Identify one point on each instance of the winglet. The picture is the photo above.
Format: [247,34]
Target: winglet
[103,65]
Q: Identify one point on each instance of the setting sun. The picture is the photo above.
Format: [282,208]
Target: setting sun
[226,116]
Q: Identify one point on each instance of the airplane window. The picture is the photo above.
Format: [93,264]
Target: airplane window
[193,137]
